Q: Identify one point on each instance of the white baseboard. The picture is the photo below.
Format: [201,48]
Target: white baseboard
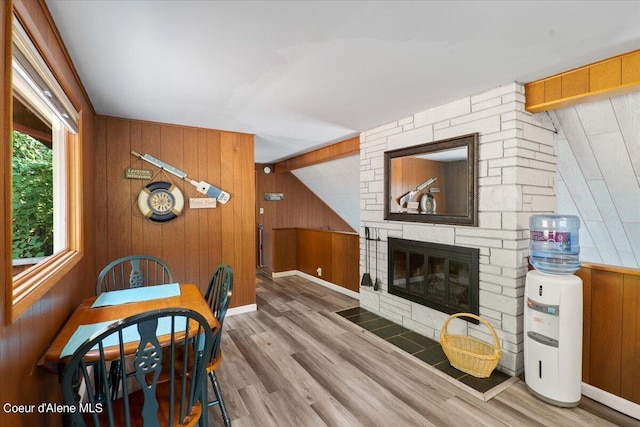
[284,273]
[242,309]
[611,400]
[319,281]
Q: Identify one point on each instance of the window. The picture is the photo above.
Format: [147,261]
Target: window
[45,170]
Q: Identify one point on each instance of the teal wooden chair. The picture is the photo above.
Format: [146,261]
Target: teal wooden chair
[176,400]
[130,272]
[218,295]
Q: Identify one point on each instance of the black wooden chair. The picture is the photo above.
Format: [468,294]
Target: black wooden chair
[175,400]
[132,271]
[219,295]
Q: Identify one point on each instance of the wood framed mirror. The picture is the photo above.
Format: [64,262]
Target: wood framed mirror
[436,182]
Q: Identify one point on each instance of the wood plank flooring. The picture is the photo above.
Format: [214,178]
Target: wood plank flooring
[294,362]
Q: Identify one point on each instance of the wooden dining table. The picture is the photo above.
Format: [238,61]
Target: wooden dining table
[118,308]
[189,297]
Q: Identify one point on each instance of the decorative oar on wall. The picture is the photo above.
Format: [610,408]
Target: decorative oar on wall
[202,186]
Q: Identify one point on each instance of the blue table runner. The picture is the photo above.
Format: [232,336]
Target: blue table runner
[85,333]
[145,293]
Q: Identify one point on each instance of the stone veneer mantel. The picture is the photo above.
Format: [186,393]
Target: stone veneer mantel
[517,177]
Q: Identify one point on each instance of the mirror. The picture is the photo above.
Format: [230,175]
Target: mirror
[435,182]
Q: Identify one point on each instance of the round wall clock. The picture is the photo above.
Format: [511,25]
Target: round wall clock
[160,201]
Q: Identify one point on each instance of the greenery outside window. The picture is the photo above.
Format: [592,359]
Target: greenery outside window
[46,184]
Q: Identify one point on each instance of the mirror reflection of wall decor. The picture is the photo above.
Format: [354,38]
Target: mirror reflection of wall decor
[436,182]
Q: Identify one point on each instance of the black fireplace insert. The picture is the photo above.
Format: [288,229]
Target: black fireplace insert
[442,277]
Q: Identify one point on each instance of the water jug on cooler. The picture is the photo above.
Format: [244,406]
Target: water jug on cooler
[553,311]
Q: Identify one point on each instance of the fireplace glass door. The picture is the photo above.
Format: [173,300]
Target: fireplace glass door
[439,276]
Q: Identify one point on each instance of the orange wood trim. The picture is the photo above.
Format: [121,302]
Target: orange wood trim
[610,268]
[610,77]
[321,155]
[6,114]
[34,133]
[33,285]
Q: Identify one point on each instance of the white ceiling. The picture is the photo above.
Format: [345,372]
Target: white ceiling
[301,75]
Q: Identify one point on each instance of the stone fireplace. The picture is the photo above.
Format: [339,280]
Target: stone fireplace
[443,277]
[517,178]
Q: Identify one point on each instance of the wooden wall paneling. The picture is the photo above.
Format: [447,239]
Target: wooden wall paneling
[248,224]
[232,209]
[191,216]
[585,275]
[135,185]
[196,242]
[118,189]
[243,238]
[208,154]
[216,157]
[173,241]
[314,250]
[100,188]
[606,336]
[151,235]
[396,185]
[304,248]
[285,244]
[345,258]
[630,372]
[455,180]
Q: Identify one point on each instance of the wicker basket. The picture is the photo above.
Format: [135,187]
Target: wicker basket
[468,354]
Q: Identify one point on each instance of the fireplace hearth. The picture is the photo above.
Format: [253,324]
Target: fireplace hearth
[442,277]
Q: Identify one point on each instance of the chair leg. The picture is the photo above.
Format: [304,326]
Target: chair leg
[114,378]
[219,400]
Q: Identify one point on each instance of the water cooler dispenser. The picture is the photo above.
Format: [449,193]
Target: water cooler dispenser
[553,311]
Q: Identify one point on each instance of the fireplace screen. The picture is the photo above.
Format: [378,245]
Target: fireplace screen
[439,276]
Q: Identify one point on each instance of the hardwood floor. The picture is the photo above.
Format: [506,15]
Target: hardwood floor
[294,362]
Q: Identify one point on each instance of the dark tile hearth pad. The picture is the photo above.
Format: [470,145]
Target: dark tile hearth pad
[423,348]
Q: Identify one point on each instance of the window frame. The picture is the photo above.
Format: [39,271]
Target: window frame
[24,289]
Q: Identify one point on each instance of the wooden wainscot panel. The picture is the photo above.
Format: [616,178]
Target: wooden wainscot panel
[585,275]
[606,332]
[336,253]
[314,251]
[345,260]
[285,250]
[630,374]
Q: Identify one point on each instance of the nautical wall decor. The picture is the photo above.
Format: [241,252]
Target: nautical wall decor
[160,201]
[202,186]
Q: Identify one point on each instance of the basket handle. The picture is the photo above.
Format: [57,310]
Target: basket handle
[496,341]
